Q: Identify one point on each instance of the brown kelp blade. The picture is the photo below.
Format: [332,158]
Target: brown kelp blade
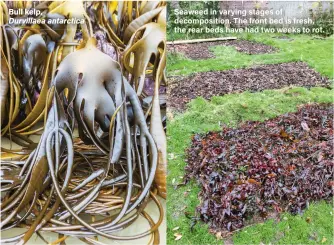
[139,22]
[150,44]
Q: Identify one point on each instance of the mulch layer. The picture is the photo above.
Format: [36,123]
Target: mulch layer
[278,165]
[258,78]
[197,51]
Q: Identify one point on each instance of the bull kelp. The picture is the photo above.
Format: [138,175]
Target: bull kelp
[103,77]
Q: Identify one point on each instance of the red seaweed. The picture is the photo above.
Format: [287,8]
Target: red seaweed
[278,165]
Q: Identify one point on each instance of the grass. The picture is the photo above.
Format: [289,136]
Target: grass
[314,51]
[203,116]
[189,36]
[315,224]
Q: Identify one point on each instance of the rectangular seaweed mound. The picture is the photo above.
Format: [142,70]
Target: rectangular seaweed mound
[261,167]
[257,78]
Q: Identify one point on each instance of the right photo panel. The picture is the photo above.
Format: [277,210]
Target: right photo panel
[250,122]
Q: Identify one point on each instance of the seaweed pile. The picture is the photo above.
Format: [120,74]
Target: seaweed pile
[199,51]
[257,78]
[278,165]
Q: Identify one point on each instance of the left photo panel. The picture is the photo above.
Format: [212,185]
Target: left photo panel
[83,120]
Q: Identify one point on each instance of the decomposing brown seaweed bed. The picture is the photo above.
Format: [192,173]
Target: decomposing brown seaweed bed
[201,50]
[278,165]
[54,77]
[257,78]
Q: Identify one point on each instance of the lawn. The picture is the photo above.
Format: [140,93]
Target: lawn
[316,224]
[312,50]
[231,110]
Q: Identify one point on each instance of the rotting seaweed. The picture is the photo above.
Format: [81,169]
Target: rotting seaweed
[198,51]
[278,165]
[257,78]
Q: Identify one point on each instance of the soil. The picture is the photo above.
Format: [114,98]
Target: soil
[197,51]
[258,78]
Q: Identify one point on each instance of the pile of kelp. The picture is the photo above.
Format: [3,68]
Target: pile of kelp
[278,165]
[82,120]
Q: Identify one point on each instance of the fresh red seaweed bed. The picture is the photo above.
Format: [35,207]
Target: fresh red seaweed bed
[278,165]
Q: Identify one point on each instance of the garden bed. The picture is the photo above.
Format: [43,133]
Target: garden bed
[278,165]
[197,51]
[258,78]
